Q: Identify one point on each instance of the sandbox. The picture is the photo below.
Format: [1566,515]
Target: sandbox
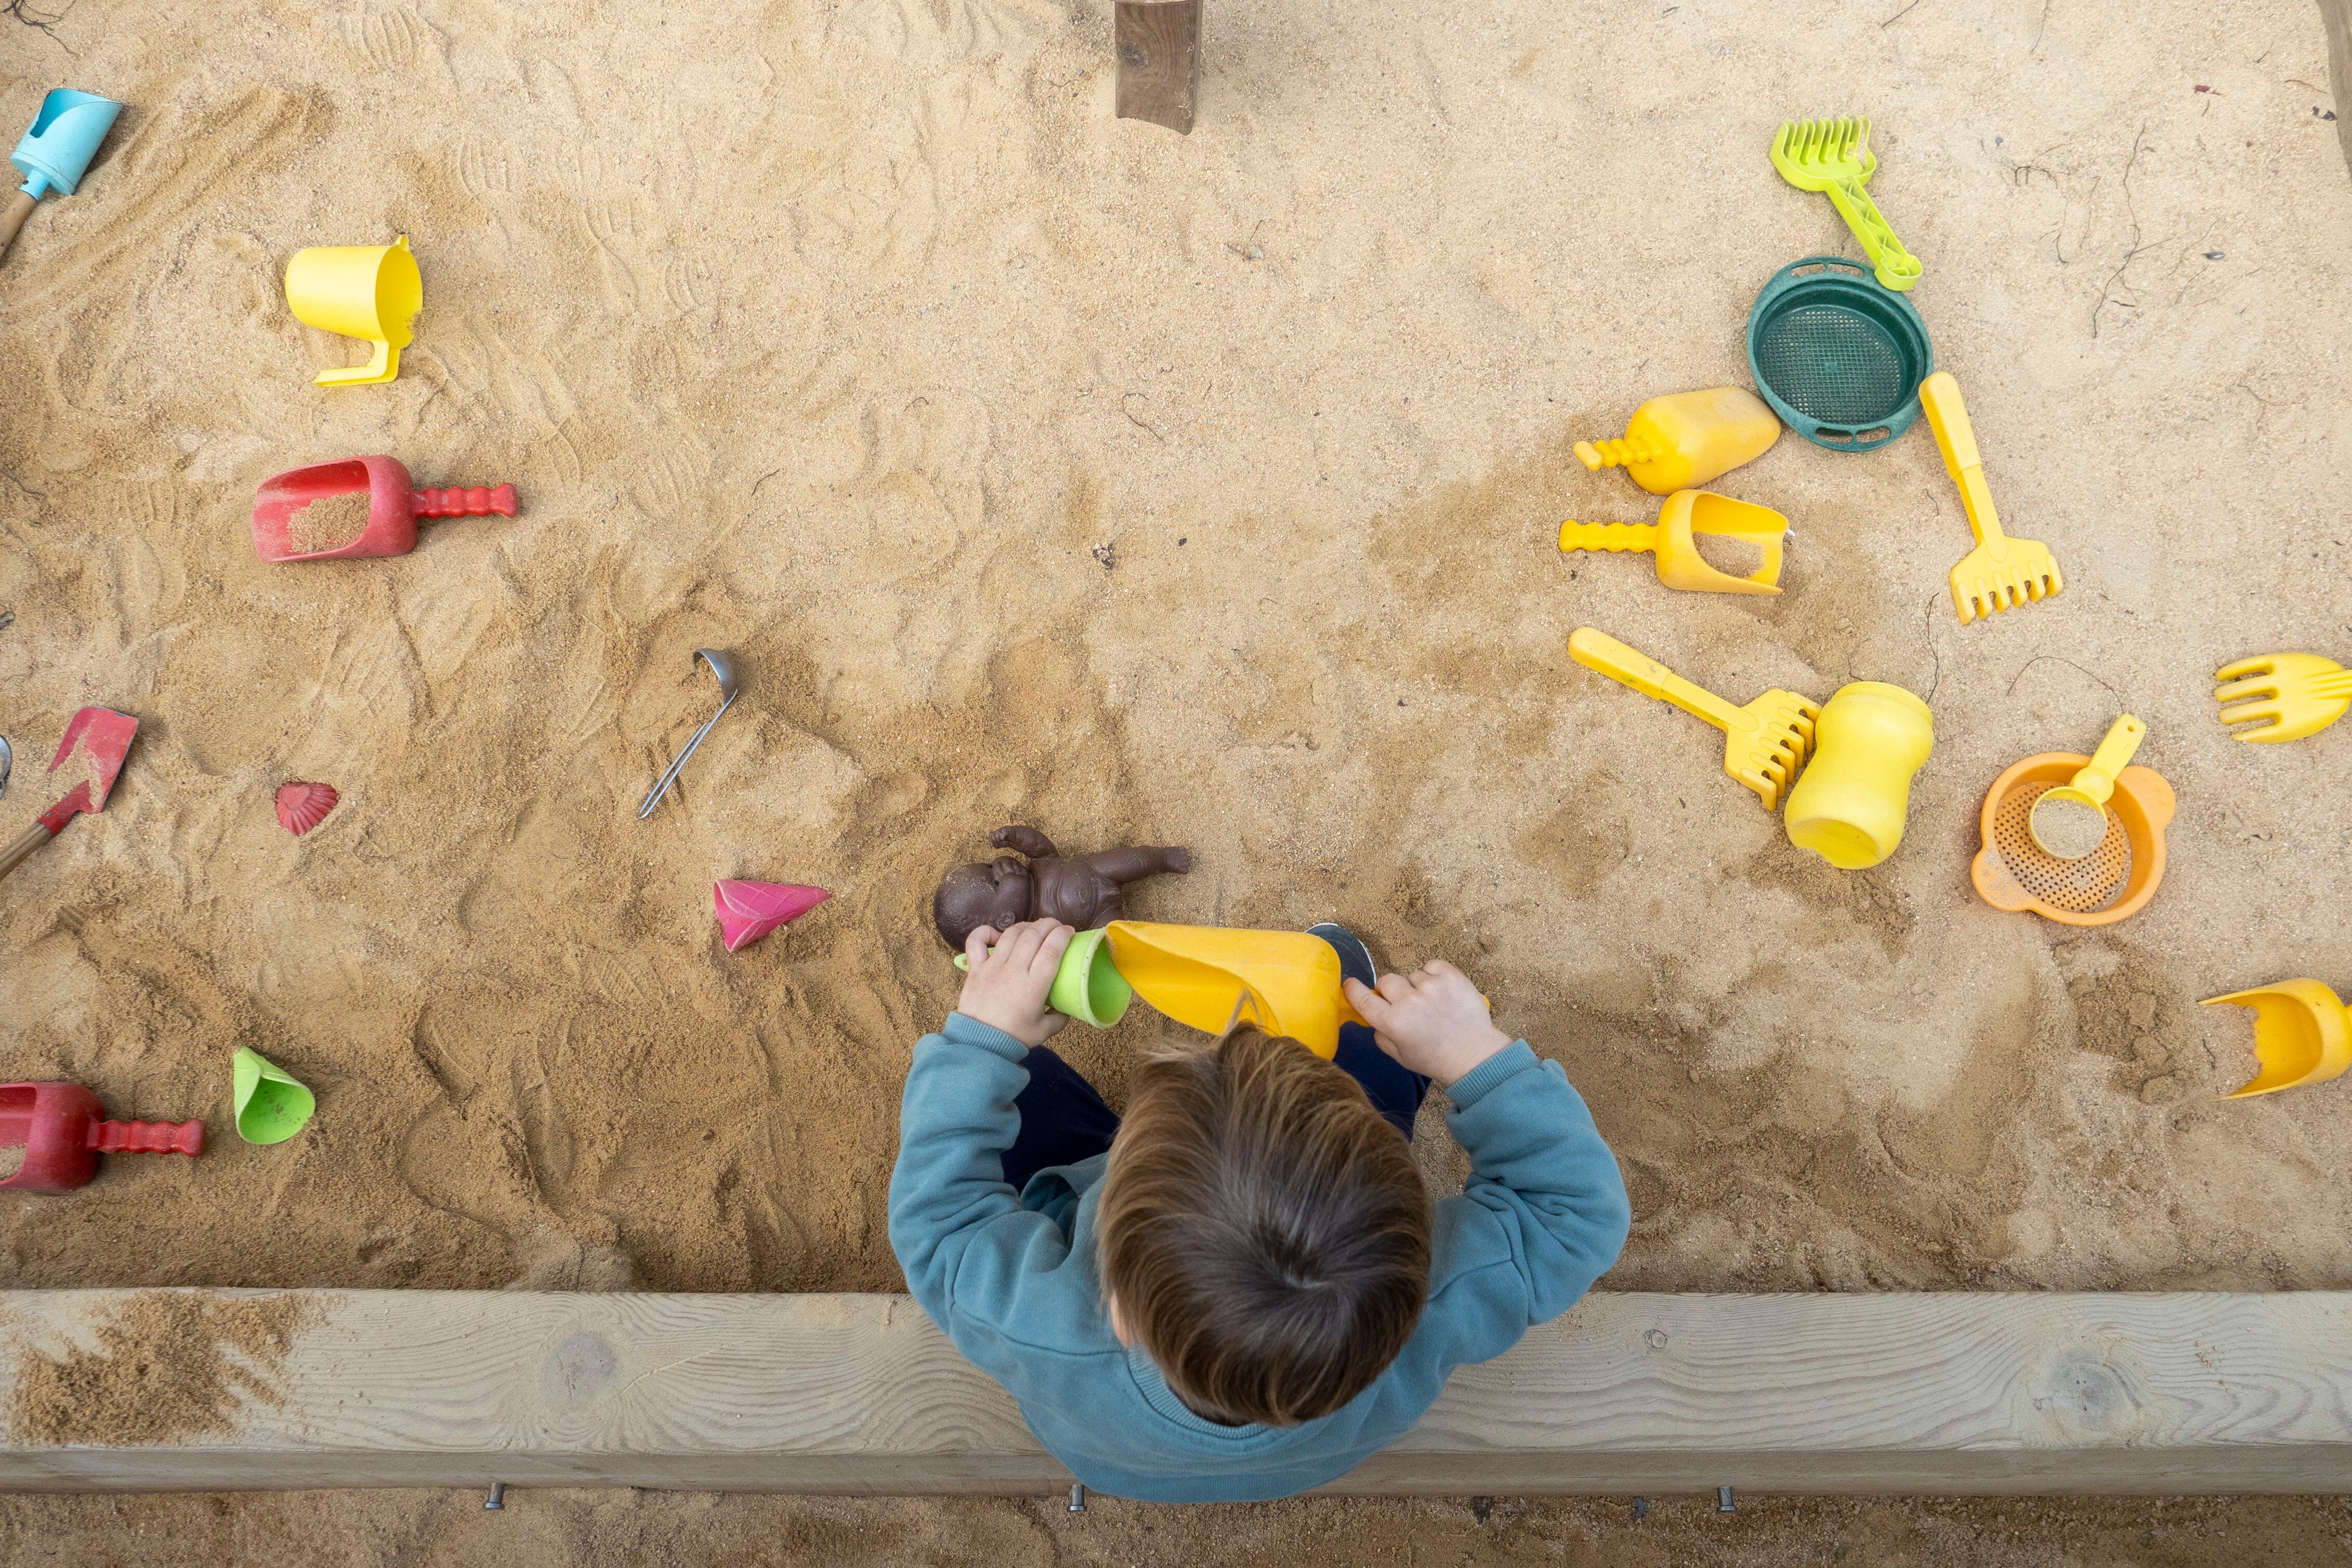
[1038,466]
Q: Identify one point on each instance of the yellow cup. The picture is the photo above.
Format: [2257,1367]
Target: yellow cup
[371,291]
[1850,805]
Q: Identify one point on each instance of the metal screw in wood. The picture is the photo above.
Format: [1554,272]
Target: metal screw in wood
[1723,1503]
[497,1502]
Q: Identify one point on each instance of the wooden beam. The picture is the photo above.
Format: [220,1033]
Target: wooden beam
[1955,1393]
[2337,14]
[1159,45]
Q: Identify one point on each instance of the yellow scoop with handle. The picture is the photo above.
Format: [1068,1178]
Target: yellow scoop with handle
[2302,1034]
[1210,976]
[2071,820]
[1688,512]
[2000,573]
[1833,157]
[1768,740]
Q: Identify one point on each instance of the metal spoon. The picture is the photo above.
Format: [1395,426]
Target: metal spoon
[725,671]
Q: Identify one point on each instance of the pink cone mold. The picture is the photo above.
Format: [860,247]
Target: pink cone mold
[302,807]
[750,910]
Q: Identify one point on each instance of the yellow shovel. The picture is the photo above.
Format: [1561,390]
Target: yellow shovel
[1285,982]
[2301,1035]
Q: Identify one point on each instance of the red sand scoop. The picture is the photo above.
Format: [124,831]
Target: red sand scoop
[359,507]
[62,1129]
[88,760]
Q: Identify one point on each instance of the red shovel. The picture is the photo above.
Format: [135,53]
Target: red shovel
[285,528]
[96,741]
[62,1129]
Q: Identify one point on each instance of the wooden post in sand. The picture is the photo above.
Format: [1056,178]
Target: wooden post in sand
[2336,14]
[1159,61]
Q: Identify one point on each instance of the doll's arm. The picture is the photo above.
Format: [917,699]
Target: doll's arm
[1025,841]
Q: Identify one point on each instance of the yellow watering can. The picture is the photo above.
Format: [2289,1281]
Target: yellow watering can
[371,291]
[1285,982]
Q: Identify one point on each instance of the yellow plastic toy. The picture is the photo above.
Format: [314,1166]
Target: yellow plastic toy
[1850,807]
[2071,821]
[2001,572]
[1688,512]
[1768,739]
[1833,157]
[2302,1035]
[1675,442]
[371,291]
[2282,697]
[1285,982]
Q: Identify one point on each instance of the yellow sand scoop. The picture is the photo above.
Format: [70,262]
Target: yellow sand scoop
[1680,565]
[1769,739]
[2000,573]
[2301,1034]
[1285,982]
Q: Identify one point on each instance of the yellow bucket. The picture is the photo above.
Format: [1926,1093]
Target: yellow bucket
[1210,976]
[371,291]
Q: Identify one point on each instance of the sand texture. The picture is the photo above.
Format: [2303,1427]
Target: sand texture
[1037,466]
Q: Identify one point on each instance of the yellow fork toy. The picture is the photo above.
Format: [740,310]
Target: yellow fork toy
[1768,740]
[2296,694]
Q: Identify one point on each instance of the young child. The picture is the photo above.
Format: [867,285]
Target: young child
[1243,1289]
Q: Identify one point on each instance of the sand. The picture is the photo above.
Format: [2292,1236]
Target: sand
[1037,466]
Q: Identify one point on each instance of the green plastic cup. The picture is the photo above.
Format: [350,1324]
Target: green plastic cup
[271,1107]
[1087,986]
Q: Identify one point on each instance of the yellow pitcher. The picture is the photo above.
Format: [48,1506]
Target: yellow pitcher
[371,291]
[1850,807]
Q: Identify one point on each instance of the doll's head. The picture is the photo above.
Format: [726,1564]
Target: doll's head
[997,893]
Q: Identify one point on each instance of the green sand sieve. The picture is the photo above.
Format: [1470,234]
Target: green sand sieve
[1838,357]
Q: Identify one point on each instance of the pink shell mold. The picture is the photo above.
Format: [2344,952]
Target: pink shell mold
[750,910]
[302,807]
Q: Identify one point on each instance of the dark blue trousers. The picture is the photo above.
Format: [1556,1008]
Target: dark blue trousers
[1063,1120]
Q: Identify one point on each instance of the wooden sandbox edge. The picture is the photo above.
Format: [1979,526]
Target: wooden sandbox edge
[1958,1394]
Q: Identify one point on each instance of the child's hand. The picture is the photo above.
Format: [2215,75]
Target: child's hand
[1433,1022]
[1006,988]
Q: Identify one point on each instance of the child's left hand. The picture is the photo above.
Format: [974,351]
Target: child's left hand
[1011,973]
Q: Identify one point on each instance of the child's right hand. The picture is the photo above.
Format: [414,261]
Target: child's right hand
[1011,973]
[1433,1022]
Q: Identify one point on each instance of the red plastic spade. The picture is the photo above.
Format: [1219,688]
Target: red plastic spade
[96,740]
[62,1129]
[285,528]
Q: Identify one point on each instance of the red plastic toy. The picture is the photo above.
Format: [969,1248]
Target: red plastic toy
[62,1129]
[284,528]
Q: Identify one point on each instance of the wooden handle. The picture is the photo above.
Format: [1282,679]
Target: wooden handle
[19,208]
[32,839]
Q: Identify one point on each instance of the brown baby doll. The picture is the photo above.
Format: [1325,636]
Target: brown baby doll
[1080,891]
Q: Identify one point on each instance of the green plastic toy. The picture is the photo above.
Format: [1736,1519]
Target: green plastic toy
[271,1107]
[1087,986]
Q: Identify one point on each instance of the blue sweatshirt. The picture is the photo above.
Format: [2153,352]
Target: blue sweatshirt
[1012,1278]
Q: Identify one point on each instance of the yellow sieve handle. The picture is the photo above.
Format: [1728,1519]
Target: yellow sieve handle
[2114,753]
